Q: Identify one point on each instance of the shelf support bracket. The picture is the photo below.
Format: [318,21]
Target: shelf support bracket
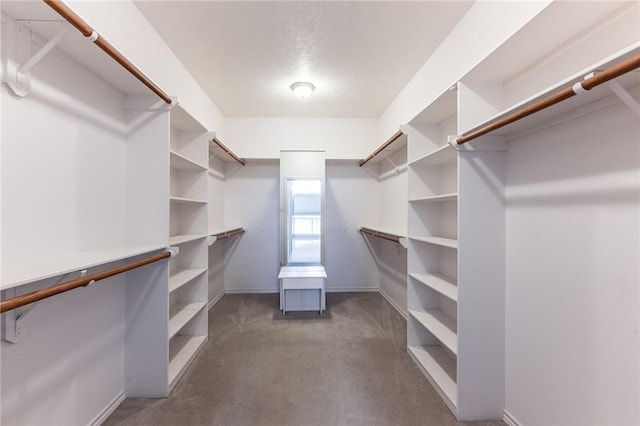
[14,324]
[624,96]
[20,61]
[395,166]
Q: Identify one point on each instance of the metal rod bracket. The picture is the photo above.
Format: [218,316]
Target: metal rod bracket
[20,62]
[624,96]
[14,324]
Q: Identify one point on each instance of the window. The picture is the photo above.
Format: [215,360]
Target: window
[304,221]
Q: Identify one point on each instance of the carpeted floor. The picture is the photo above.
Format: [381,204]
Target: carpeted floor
[348,367]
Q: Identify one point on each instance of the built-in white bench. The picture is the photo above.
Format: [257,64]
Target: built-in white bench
[302,288]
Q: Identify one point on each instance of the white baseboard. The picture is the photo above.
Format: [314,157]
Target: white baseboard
[251,291]
[215,300]
[509,419]
[393,303]
[109,409]
[351,289]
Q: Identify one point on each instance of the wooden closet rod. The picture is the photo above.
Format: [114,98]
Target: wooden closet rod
[382,235]
[103,44]
[229,234]
[566,93]
[25,299]
[228,151]
[382,147]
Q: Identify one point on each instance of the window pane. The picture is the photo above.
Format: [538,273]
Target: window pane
[304,221]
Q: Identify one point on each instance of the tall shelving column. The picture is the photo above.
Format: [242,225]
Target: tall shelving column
[188,287]
[432,291]
[455,286]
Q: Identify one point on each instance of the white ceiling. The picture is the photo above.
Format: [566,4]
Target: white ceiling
[359,54]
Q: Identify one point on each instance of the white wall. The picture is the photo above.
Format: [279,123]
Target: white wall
[215,210]
[572,312]
[351,201]
[70,366]
[252,195]
[252,201]
[392,207]
[340,138]
[485,26]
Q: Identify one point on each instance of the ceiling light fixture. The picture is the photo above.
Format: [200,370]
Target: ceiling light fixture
[302,89]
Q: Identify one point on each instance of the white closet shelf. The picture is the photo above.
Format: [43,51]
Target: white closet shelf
[14,275]
[182,200]
[557,111]
[444,285]
[435,198]
[181,313]
[182,351]
[444,154]
[222,229]
[181,239]
[394,232]
[180,162]
[439,241]
[442,326]
[440,369]
[182,277]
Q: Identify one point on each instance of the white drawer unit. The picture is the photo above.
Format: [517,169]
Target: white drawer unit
[302,288]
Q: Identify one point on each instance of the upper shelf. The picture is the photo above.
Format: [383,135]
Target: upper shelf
[399,142]
[440,110]
[442,155]
[56,265]
[179,161]
[588,101]
[223,234]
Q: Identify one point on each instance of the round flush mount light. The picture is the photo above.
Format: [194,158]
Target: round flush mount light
[302,89]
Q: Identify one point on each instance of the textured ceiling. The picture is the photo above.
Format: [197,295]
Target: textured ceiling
[359,55]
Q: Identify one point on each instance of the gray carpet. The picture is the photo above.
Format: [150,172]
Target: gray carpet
[348,367]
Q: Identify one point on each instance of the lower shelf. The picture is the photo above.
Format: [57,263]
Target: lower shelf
[440,369]
[443,327]
[181,313]
[182,352]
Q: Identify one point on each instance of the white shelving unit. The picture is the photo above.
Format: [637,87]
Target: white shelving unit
[446,190]
[188,288]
